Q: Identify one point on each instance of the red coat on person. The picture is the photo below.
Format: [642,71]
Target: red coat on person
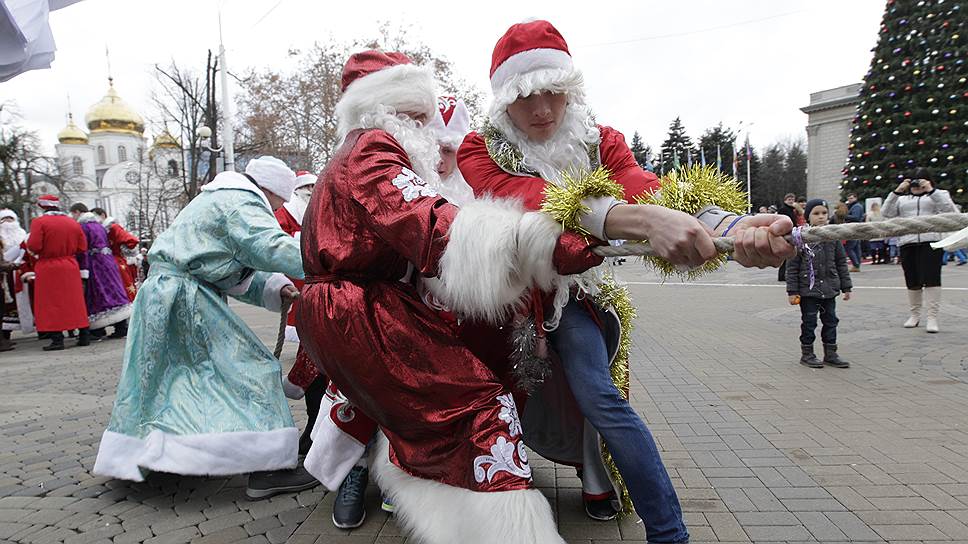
[118,238]
[291,226]
[59,304]
[486,177]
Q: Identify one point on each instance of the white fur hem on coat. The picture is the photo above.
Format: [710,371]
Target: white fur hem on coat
[208,454]
[435,513]
[109,317]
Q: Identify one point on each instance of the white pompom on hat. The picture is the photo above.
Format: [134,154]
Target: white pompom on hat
[272,175]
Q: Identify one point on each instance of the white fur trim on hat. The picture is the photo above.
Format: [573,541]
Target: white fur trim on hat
[7,212]
[272,175]
[530,61]
[452,134]
[305,179]
[407,88]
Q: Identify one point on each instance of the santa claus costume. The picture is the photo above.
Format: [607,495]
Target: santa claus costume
[59,304]
[453,460]
[199,393]
[502,161]
[104,292]
[18,316]
[303,381]
[122,243]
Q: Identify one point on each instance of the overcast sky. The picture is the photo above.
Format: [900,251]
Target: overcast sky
[645,62]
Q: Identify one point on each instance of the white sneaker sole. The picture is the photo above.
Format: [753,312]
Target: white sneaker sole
[347,527]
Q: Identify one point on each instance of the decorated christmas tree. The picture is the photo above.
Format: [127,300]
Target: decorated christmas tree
[914,103]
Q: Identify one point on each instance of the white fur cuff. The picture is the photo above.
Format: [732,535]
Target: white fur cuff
[272,292]
[478,270]
[537,238]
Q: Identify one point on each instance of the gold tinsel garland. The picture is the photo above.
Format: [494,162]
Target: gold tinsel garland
[617,296]
[690,190]
[564,202]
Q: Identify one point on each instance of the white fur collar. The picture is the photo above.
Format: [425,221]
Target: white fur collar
[235,180]
[87,217]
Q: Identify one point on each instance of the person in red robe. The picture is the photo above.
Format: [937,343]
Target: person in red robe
[120,239]
[540,132]
[453,460]
[55,239]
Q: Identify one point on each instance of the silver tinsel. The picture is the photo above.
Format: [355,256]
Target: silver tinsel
[529,368]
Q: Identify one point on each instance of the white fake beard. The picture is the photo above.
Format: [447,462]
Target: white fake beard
[565,152]
[12,235]
[419,142]
[455,189]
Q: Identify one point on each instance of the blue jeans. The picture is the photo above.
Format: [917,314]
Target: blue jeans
[826,308]
[958,253]
[853,251]
[580,345]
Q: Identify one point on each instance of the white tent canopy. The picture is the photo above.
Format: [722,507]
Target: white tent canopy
[26,42]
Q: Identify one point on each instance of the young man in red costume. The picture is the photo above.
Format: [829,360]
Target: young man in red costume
[453,460]
[55,239]
[540,130]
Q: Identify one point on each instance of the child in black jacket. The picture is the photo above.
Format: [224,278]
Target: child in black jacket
[819,293]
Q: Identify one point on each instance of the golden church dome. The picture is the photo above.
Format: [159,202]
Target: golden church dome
[112,114]
[166,141]
[71,134]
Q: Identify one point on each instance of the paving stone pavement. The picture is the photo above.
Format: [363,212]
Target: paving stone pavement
[760,448]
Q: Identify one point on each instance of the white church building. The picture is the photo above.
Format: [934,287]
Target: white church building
[109,167]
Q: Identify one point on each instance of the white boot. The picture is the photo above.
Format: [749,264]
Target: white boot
[932,305]
[914,300]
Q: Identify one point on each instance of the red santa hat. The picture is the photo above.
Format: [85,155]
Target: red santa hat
[530,57]
[304,178]
[48,201]
[374,78]
[451,122]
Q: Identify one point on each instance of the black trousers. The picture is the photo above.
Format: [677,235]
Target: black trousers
[922,265]
[809,308]
[314,397]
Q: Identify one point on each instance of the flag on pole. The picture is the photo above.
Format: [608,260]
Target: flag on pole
[675,158]
[719,158]
[735,162]
[688,157]
[702,157]
[749,152]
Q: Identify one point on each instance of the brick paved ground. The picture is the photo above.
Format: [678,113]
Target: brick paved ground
[760,448]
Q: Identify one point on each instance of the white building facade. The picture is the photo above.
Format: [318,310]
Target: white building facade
[109,166]
[830,117]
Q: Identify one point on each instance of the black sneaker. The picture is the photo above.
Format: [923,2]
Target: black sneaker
[263,485]
[349,511]
[601,509]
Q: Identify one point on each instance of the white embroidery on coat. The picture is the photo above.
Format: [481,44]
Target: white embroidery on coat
[412,185]
[509,414]
[502,460]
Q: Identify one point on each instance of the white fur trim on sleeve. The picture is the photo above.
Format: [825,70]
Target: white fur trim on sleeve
[478,270]
[271,293]
[594,220]
[537,238]
[85,274]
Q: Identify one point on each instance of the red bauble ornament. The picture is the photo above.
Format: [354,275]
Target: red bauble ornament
[920,142]
[892,165]
[865,181]
[940,68]
[867,153]
[870,124]
[907,87]
[907,114]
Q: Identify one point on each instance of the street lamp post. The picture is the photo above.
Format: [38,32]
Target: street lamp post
[204,134]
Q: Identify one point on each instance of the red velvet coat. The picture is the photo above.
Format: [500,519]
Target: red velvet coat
[486,177]
[118,238]
[442,409]
[291,227]
[59,305]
